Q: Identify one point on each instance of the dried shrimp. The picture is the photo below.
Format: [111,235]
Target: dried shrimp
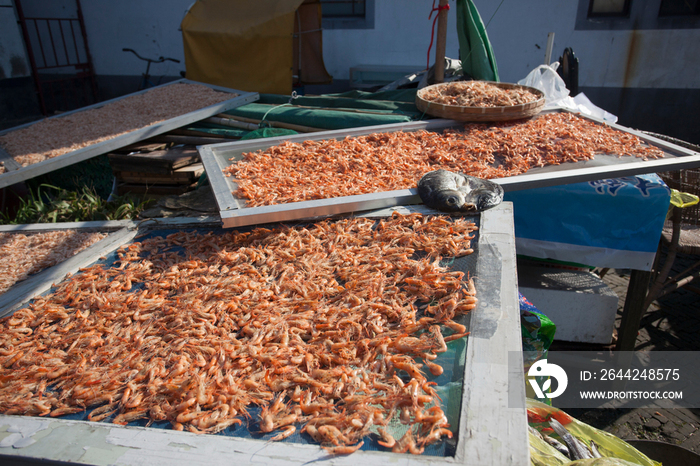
[52,137]
[323,328]
[293,172]
[478,94]
[22,254]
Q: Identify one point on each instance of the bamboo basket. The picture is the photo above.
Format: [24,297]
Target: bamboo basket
[481,114]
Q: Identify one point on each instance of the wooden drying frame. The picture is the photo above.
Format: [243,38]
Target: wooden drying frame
[493,429]
[216,157]
[15,173]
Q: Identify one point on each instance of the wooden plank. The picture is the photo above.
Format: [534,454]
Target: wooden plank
[158,162]
[155,189]
[193,140]
[141,147]
[495,430]
[633,310]
[184,175]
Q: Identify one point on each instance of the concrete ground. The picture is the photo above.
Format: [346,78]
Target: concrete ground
[671,324]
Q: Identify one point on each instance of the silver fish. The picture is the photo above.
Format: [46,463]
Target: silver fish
[577,449]
[456,192]
[560,447]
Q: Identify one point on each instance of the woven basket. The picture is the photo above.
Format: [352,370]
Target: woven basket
[480,114]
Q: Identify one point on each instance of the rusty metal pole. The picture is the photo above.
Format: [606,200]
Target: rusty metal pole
[441,42]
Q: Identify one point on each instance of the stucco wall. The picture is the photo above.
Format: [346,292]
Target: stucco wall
[149,28]
[518,31]
[623,69]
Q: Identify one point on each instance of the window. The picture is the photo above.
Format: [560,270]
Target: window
[348,14]
[599,8]
[625,15]
[343,8]
[679,8]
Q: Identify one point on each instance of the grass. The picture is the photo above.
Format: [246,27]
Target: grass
[49,204]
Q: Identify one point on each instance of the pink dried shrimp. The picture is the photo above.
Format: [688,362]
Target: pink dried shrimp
[293,172]
[24,254]
[52,137]
[322,327]
[478,94]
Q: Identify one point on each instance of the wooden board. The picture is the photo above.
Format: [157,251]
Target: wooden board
[184,175]
[155,189]
[161,162]
[140,147]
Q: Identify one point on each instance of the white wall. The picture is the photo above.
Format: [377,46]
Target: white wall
[517,30]
[401,36]
[148,27]
[661,58]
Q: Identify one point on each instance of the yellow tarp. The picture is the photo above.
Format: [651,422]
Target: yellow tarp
[241,44]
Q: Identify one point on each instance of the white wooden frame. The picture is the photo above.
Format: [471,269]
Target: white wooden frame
[490,432]
[216,157]
[15,173]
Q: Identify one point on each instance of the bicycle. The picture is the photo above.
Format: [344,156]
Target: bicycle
[146,82]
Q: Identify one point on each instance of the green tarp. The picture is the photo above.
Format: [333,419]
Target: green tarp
[475,50]
[350,109]
[316,118]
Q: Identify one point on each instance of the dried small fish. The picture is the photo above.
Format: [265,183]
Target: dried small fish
[577,449]
[560,447]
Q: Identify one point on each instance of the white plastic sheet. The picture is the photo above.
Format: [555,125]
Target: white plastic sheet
[546,79]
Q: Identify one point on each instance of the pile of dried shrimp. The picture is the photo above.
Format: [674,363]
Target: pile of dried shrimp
[323,327]
[52,137]
[22,255]
[293,172]
[477,94]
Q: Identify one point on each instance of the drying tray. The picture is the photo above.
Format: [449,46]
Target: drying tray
[15,172]
[216,158]
[491,430]
[481,114]
[41,281]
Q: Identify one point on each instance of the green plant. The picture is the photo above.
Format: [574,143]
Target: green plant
[52,205]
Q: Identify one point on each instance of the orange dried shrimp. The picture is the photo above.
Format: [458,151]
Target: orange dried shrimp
[22,255]
[293,172]
[478,94]
[52,137]
[318,326]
